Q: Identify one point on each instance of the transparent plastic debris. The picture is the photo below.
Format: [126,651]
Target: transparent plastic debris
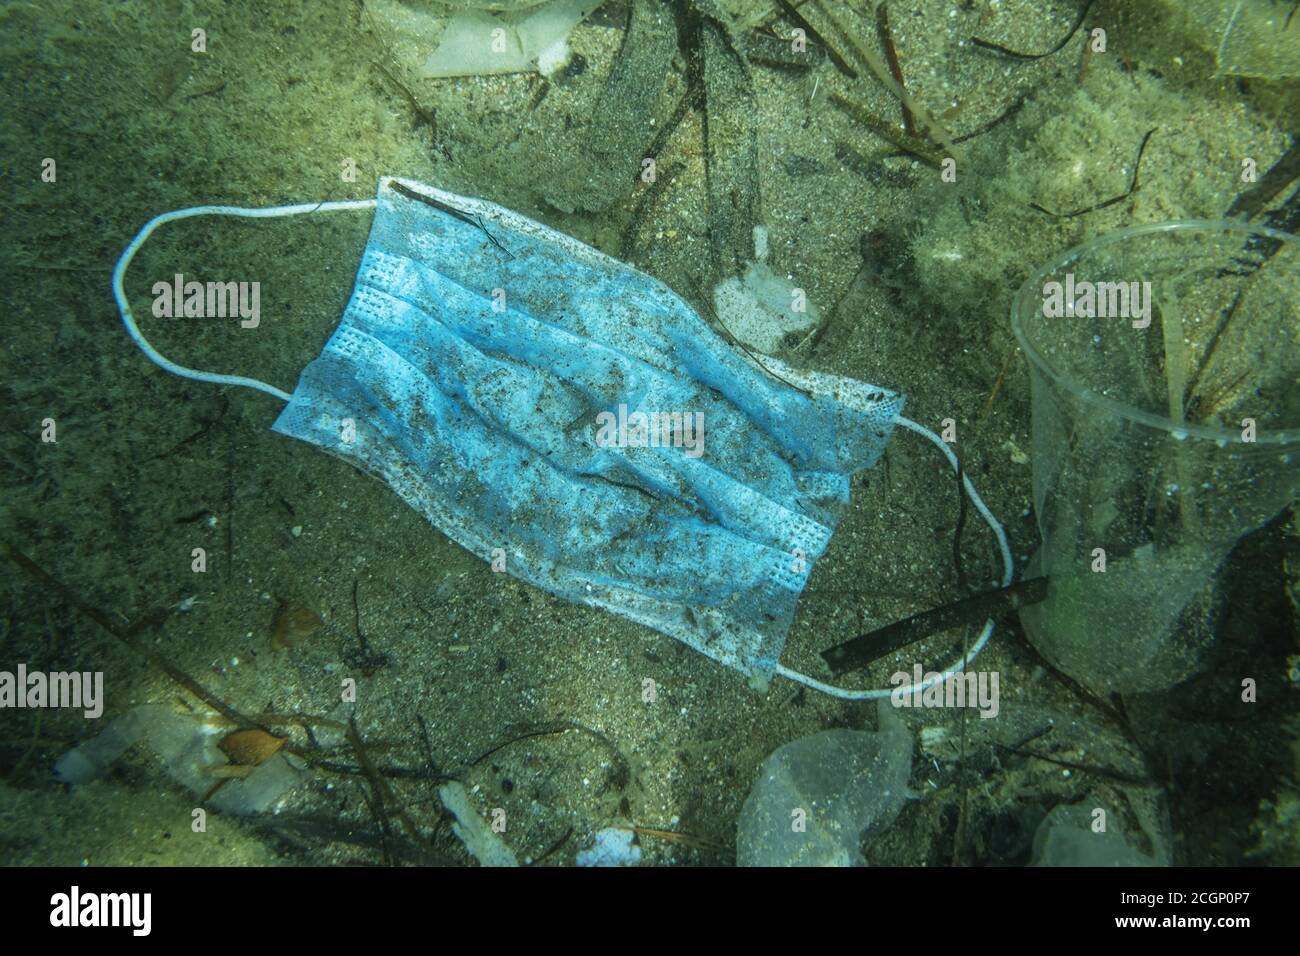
[1259,38]
[816,796]
[1160,437]
[1084,835]
[761,308]
[479,39]
[504,6]
[613,847]
[482,843]
[186,746]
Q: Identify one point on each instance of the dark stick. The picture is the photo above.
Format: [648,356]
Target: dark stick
[356,619]
[227,571]
[840,63]
[999,48]
[961,524]
[891,57]
[1132,188]
[1009,112]
[475,220]
[127,637]
[865,648]
[1270,185]
[383,795]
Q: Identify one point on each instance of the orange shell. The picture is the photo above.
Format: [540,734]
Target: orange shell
[293,625]
[249,747]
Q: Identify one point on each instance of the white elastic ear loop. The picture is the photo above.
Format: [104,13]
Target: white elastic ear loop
[1008,573]
[119,274]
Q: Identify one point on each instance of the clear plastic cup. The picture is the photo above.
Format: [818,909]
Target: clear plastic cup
[1166,425]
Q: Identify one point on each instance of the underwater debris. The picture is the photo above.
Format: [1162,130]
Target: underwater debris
[1281,174]
[1078,836]
[1248,38]
[613,847]
[561,293]
[107,747]
[1172,499]
[482,843]
[760,308]
[193,751]
[862,650]
[815,796]
[481,39]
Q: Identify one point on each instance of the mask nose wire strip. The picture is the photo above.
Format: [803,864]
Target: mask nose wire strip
[1009,568]
[123,307]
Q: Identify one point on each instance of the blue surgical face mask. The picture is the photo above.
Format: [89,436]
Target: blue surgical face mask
[572,421]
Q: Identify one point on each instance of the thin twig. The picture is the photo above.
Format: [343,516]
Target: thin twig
[997,384]
[999,48]
[1132,188]
[877,65]
[380,786]
[891,57]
